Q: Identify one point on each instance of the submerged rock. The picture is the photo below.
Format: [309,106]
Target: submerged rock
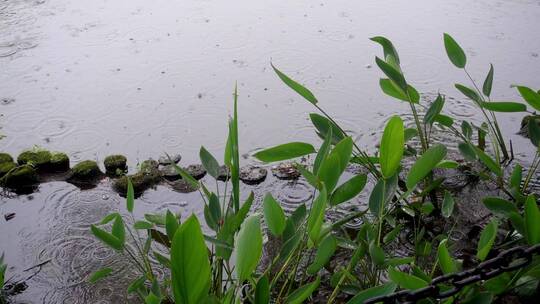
[59,162]
[5,167]
[197,171]
[5,158]
[20,177]
[169,173]
[252,175]
[164,160]
[85,173]
[285,171]
[182,186]
[147,177]
[115,165]
[40,159]
[224,173]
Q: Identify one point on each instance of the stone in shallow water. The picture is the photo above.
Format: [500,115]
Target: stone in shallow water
[182,186]
[169,173]
[5,167]
[147,177]
[115,165]
[59,162]
[285,171]
[20,177]
[5,158]
[224,174]
[164,160]
[85,173]
[40,159]
[197,171]
[252,175]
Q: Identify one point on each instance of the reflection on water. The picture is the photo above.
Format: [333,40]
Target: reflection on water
[146,77]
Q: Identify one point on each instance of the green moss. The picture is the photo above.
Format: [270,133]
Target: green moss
[115,164]
[147,177]
[40,159]
[59,162]
[5,158]
[20,177]
[5,167]
[86,170]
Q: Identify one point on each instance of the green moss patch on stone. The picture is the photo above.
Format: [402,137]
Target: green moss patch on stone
[115,164]
[59,162]
[86,171]
[147,177]
[5,158]
[5,167]
[20,177]
[40,159]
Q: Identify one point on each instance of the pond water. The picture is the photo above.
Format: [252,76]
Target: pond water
[142,78]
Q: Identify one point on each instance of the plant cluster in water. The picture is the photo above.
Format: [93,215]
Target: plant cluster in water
[318,260]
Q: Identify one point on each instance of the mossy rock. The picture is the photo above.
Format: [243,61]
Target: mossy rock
[147,177]
[85,172]
[20,177]
[5,167]
[59,162]
[39,159]
[115,164]
[5,158]
[524,130]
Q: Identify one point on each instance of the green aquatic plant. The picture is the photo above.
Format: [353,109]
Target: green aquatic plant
[3,268]
[223,264]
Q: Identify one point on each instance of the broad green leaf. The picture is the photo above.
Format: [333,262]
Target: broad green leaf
[447,164]
[488,162]
[190,266]
[136,285]
[423,166]
[343,150]
[151,298]
[499,206]
[248,248]
[470,93]
[390,88]
[504,106]
[325,251]
[330,171]
[377,198]
[487,238]
[410,133]
[388,47]
[517,175]
[434,110]
[312,179]
[466,129]
[285,152]
[373,292]
[391,147]
[209,162]
[108,218]
[273,215]
[446,262]
[118,230]
[348,190]
[532,220]
[534,132]
[444,120]
[467,150]
[324,125]
[447,205]
[530,96]
[298,88]
[158,219]
[130,196]
[392,73]
[376,253]
[323,151]
[107,238]
[262,291]
[392,235]
[316,216]
[455,52]
[100,274]
[143,225]
[171,224]
[405,280]
[302,293]
[488,83]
